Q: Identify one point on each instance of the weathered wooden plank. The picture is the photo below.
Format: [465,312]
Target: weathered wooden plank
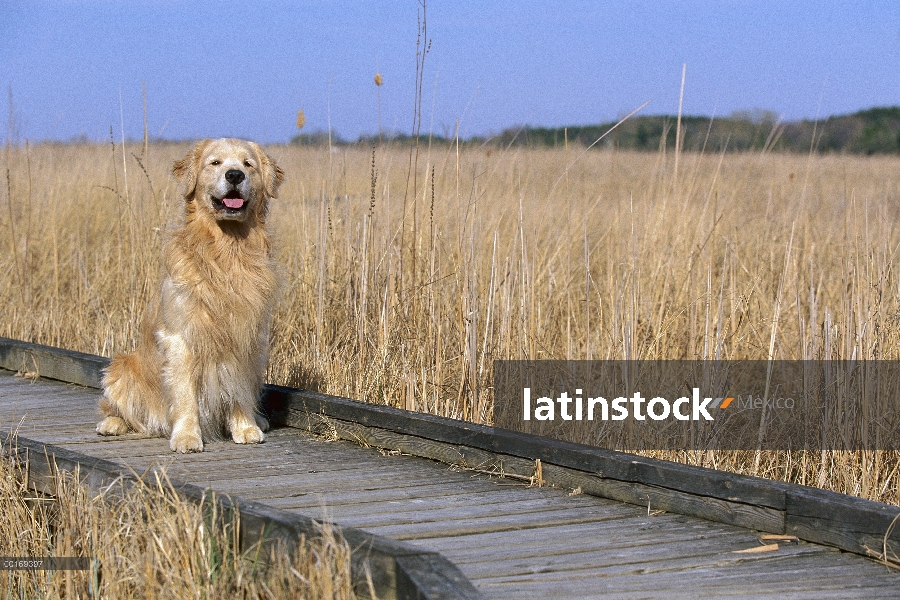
[426,515]
[129,445]
[836,593]
[82,421]
[65,365]
[157,448]
[280,485]
[82,426]
[50,408]
[267,487]
[39,386]
[422,491]
[562,516]
[656,498]
[79,419]
[561,539]
[44,391]
[381,515]
[344,462]
[50,413]
[587,591]
[417,446]
[795,569]
[363,504]
[664,558]
[843,521]
[11,380]
[45,435]
[772,578]
[48,435]
[36,394]
[270,456]
[648,555]
[676,589]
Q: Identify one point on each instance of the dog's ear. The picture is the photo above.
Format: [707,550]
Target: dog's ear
[272,174]
[187,169]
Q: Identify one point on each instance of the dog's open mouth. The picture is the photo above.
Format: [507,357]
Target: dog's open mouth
[232,201]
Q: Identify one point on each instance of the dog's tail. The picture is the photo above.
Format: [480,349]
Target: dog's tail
[132,391]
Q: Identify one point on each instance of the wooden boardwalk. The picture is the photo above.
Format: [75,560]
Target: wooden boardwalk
[508,539]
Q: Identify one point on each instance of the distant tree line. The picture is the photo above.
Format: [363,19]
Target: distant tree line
[872,131]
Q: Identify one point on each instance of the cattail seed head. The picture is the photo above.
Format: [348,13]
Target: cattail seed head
[378,79]
[301,119]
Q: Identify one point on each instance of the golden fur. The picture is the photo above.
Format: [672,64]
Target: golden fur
[197,372]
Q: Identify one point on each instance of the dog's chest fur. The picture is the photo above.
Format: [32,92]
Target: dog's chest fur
[219,288]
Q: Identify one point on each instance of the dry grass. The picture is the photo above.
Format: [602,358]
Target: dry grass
[146,542]
[499,254]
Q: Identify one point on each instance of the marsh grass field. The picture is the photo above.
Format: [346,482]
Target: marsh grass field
[406,274]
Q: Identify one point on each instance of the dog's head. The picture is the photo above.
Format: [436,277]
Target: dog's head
[231,179]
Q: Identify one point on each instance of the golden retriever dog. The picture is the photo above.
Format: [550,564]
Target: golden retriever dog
[197,372]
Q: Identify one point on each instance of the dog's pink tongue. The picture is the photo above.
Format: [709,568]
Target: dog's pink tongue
[233,202]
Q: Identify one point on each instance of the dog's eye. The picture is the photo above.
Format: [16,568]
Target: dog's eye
[215,162]
[249,164]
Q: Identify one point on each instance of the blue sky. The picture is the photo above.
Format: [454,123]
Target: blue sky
[243,69]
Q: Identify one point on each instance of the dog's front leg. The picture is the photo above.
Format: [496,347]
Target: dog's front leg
[181,382]
[244,422]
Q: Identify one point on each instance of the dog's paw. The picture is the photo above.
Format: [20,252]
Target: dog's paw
[112,426]
[261,422]
[248,435]
[186,441]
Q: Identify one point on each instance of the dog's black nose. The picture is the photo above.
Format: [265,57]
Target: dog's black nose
[234,176]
